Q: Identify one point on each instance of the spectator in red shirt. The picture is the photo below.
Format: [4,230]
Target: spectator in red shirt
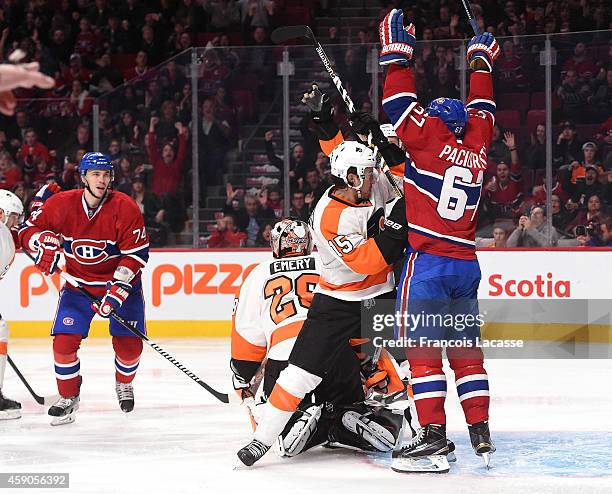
[271,198]
[86,41]
[75,71]
[503,193]
[167,167]
[581,63]
[140,68]
[509,70]
[10,174]
[31,148]
[227,235]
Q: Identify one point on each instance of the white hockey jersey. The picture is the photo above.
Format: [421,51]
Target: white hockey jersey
[352,266]
[7,249]
[271,307]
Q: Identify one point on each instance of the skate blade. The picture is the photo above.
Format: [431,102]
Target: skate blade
[451,457]
[68,419]
[423,464]
[486,457]
[10,414]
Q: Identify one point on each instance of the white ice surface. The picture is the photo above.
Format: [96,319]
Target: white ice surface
[551,421]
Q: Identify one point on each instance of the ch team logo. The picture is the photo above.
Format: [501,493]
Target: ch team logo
[87,251]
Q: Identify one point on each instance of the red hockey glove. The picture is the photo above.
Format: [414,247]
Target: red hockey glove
[48,256]
[116,293]
[43,194]
[397,41]
[482,52]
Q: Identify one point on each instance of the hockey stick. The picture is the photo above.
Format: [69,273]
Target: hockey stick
[474,64]
[470,16]
[223,397]
[41,400]
[285,33]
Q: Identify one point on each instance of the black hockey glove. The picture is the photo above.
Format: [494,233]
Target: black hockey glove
[365,124]
[391,241]
[320,112]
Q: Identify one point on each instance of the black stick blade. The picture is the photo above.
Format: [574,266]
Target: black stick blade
[285,33]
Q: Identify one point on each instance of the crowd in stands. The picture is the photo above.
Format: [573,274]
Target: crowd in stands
[107,52]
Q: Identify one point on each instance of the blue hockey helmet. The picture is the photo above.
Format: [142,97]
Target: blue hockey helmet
[452,112]
[95,161]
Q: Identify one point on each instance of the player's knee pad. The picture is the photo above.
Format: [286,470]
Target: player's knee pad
[298,433]
[66,344]
[366,428]
[297,381]
[128,348]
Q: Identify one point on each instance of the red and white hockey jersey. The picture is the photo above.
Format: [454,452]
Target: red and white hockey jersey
[443,175]
[93,247]
[271,308]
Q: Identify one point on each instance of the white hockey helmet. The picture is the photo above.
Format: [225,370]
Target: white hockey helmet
[290,237]
[351,154]
[388,130]
[10,204]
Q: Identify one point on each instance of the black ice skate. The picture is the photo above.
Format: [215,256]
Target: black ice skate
[480,437]
[252,452]
[9,409]
[64,410]
[426,452]
[125,395]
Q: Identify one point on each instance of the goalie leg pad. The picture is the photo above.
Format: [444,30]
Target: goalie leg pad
[367,428]
[300,429]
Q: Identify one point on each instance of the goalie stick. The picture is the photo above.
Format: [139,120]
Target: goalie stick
[41,400]
[281,34]
[223,397]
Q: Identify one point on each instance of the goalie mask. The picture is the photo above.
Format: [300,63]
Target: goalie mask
[351,154]
[290,238]
[11,204]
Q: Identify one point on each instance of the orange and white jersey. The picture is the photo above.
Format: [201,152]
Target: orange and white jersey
[271,307]
[352,266]
[7,249]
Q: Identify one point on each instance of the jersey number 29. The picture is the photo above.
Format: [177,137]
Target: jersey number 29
[280,286]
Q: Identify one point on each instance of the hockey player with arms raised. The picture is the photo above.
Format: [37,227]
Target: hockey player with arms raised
[356,265]
[447,144]
[269,313]
[105,244]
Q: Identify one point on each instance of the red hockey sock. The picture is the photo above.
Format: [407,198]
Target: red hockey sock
[127,357]
[472,383]
[67,364]
[428,384]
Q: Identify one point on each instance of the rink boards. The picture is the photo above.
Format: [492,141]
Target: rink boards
[543,293]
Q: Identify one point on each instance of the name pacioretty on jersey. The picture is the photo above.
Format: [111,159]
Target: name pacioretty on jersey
[464,157]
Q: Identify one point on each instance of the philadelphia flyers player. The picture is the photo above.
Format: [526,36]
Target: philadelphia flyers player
[447,144]
[11,214]
[269,313]
[104,241]
[356,265]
